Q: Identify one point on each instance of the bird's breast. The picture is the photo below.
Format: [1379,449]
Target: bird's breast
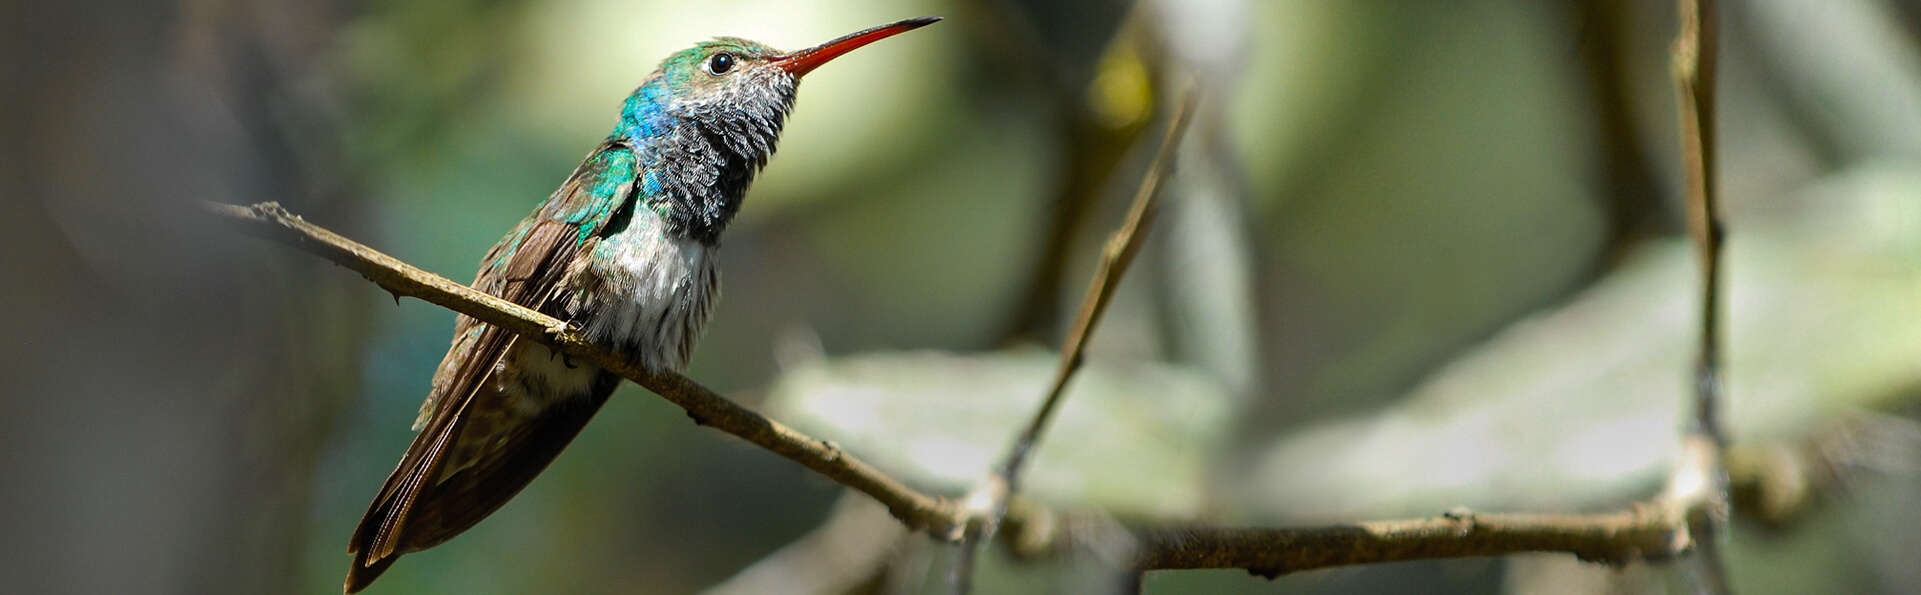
[647,294]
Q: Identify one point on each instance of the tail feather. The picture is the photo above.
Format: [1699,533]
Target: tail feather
[417,509]
[363,573]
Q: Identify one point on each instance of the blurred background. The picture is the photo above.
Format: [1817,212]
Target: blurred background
[1416,256]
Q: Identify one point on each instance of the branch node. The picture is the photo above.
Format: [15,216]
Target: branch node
[1463,518]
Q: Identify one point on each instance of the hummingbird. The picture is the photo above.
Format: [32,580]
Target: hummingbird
[626,252]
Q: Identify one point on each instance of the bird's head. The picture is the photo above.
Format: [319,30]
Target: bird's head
[706,121]
[739,88]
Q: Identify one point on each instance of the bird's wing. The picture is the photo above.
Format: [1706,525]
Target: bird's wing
[526,268]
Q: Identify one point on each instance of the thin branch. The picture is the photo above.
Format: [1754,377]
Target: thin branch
[1644,533]
[1654,530]
[986,506]
[1116,255]
[1695,63]
[1666,527]
[1694,74]
[935,515]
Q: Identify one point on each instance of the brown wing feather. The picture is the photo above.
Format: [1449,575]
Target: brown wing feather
[377,539]
[422,513]
[474,493]
[415,509]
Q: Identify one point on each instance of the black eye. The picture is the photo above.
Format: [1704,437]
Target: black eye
[720,63]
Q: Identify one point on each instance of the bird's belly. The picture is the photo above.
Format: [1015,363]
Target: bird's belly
[648,296]
[533,376]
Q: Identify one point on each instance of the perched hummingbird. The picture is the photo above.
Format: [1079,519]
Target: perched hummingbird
[623,251]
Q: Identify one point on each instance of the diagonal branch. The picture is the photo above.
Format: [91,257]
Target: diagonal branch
[986,506]
[1116,255]
[932,514]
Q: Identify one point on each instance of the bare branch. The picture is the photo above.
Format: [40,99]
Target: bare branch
[986,506]
[1705,481]
[1694,75]
[1643,533]
[935,515]
[1116,255]
[1664,528]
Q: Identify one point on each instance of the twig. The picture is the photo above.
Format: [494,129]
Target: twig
[1662,528]
[1655,530]
[1643,533]
[1118,253]
[986,506]
[1694,74]
[1695,53]
[934,515]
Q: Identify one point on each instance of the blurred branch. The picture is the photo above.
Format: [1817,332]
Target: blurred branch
[1848,70]
[1702,479]
[1093,156]
[1630,195]
[1097,145]
[935,515]
[1777,483]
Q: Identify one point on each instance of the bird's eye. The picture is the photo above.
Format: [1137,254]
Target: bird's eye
[720,63]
